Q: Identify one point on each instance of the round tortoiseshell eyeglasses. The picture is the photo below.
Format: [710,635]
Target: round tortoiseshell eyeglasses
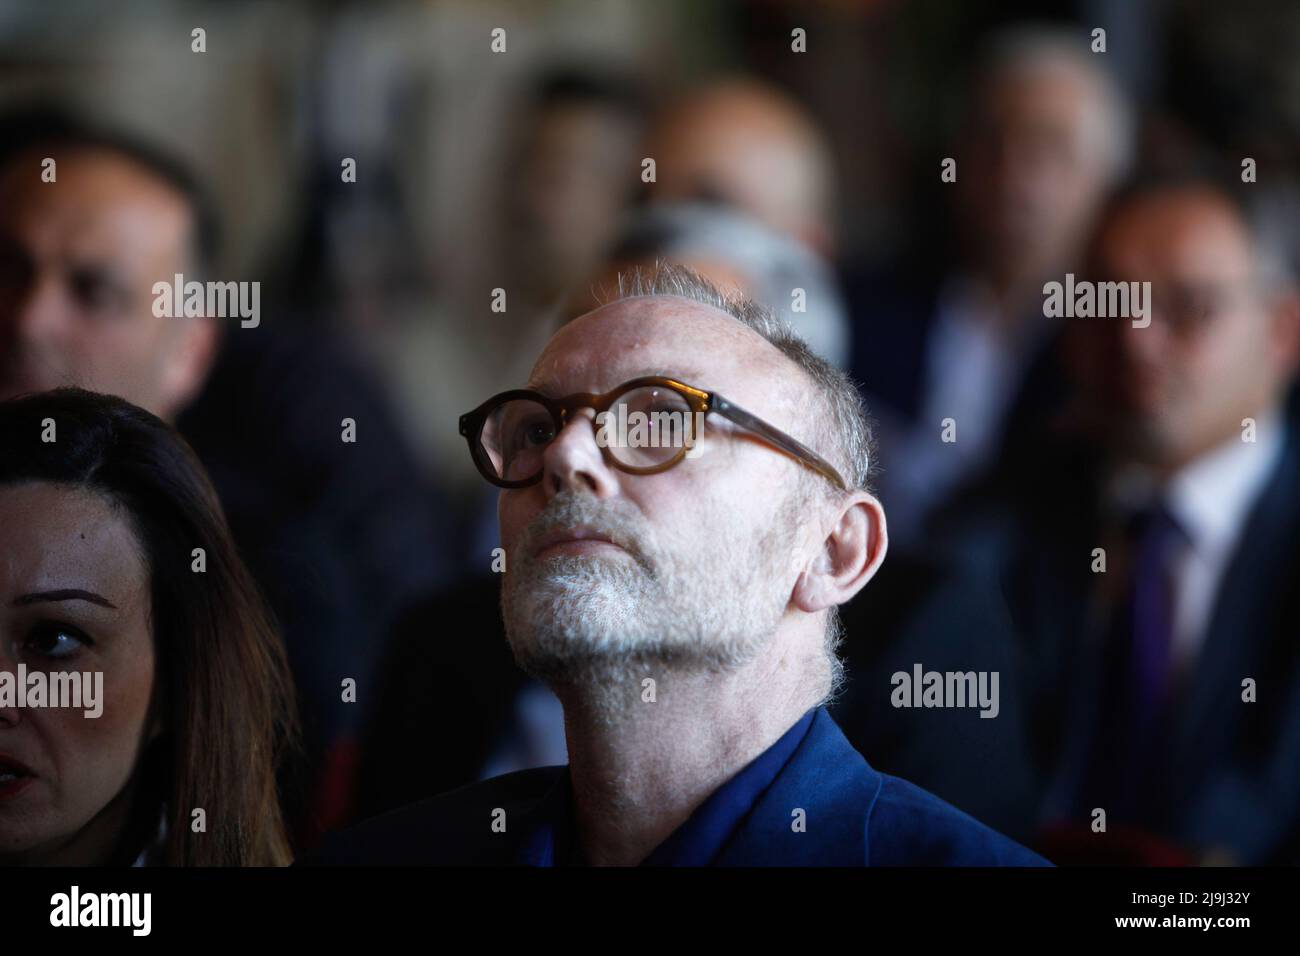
[654,420]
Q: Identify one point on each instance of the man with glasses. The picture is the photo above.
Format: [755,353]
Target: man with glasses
[1152,548]
[681,600]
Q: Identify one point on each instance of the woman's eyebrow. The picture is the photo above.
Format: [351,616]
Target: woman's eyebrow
[65,594]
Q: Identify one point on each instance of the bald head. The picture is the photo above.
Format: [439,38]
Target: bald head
[751,146]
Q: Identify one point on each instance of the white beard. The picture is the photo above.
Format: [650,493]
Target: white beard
[709,605]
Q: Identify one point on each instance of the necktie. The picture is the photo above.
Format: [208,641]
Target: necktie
[1150,659]
[1126,766]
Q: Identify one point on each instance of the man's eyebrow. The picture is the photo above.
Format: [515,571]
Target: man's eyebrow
[685,376]
[65,594]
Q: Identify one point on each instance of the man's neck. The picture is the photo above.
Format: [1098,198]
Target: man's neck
[1165,470]
[640,768]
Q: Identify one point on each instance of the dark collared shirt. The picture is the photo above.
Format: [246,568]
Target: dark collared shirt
[697,842]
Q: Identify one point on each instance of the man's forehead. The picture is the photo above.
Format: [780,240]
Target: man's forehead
[654,335]
[98,217]
[95,179]
[1178,227]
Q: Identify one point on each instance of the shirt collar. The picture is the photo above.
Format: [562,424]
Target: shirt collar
[550,838]
[1211,496]
[697,842]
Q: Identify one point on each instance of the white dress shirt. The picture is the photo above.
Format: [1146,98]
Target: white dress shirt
[1211,500]
[973,368]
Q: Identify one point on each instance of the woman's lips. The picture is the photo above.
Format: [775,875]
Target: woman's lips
[15,776]
[13,786]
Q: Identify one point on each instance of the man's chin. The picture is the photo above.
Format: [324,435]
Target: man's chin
[581,652]
[574,667]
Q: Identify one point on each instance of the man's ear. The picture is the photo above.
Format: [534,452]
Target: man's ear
[850,554]
[1286,330]
[192,355]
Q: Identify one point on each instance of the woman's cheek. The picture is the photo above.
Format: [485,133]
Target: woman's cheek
[105,750]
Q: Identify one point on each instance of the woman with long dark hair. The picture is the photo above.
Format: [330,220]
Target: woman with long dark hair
[115,560]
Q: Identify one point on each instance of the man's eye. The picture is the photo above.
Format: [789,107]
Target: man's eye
[15,270]
[536,434]
[96,293]
[54,640]
[660,403]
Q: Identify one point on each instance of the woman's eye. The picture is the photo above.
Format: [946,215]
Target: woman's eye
[56,640]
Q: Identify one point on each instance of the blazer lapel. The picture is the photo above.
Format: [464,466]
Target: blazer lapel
[1241,625]
[832,785]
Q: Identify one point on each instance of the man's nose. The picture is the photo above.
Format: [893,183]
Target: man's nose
[39,311]
[575,462]
[1145,344]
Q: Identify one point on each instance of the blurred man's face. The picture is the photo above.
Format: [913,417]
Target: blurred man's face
[571,181]
[1217,350]
[1032,168]
[78,260]
[696,572]
[746,146]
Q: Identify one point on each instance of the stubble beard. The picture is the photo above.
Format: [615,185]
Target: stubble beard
[608,619]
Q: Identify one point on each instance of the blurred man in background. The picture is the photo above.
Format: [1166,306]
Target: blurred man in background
[337,533]
[1043,136]
[1151,549]
[571,170]
[738,253]
[80,255]
[554,204]
[743,143]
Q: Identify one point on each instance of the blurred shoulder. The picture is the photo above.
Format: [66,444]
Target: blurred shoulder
[451,829]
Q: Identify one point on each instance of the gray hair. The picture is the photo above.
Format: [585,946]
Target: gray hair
[1271,220]
[773,265]
[845,438]
[1030,46]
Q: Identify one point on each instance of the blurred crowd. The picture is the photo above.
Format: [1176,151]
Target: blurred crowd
[1107,515]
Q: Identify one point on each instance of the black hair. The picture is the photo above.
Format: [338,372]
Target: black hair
[57,127]
[590,86]
[1199,172]
[225,691]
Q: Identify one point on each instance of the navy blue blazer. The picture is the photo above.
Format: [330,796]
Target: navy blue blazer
[854,816]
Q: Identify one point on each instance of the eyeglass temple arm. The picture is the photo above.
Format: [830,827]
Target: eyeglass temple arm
[777,437]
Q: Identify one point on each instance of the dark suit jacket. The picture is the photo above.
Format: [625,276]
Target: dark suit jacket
[855,816]
[1234,768]
[894,319]
[446,690]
